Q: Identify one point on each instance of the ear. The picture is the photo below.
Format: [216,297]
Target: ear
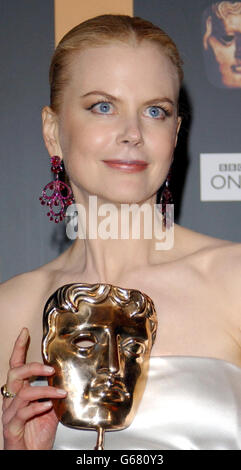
[179,121]
[51,132]
[207,33]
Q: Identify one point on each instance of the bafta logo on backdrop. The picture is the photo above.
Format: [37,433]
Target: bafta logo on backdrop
[221,39]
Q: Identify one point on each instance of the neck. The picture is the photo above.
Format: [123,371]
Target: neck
[114,239]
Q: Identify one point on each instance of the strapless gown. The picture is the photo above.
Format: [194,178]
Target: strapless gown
[190,403]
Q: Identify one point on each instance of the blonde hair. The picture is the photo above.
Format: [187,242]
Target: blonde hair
[100,31]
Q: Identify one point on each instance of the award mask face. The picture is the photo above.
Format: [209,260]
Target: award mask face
[222,44]
[98,337]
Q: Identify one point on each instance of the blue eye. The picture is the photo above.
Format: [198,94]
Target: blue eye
[156,112]
[102,107]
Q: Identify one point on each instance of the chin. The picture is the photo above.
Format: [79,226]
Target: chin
[126,197]
[109,417]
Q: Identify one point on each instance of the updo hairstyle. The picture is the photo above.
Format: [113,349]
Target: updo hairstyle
[99,31]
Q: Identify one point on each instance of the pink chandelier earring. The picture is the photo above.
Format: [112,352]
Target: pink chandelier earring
[57,195]
[166,198]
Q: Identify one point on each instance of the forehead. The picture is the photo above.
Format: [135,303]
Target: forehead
[101,316]
[122,67]
[231,23]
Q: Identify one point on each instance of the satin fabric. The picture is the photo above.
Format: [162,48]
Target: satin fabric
[190,403]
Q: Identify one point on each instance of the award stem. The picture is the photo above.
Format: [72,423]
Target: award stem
[100,439]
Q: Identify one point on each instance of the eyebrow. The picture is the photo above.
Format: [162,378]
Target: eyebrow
[113,98]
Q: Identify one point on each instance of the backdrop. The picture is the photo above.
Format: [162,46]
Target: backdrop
[207,168]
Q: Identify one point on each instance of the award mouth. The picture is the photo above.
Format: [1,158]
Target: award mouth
[108,390]
[236,68]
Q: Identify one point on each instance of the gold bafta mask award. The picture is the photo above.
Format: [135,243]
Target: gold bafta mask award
[98,338]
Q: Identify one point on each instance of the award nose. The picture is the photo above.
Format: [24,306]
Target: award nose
[111,355]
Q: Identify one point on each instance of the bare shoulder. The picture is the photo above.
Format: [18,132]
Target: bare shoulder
[205,245]
[219,261]
[217,255]
[195,241]
[224,263]
[23,288]
[22,300]
[198,241]
[32,285]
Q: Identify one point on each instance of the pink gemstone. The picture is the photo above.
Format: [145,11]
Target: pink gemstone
[55,160]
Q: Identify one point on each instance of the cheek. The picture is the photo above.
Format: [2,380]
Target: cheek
[83,139]
[162,141]
[223,54]
[227,56]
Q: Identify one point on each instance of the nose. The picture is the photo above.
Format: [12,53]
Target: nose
[110,360]
[131,132]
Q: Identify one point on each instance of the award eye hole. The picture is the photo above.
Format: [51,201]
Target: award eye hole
[84,342]
[227,39]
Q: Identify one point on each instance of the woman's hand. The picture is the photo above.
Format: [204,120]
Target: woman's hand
[27,423]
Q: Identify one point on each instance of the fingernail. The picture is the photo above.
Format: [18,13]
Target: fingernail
[61,392]
[48,369]
[24,335]
[47,404]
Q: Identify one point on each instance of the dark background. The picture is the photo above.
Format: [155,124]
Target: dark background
[212,123]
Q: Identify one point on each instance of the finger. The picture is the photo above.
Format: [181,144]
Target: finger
[14,430]
[19,350]
[17,378]
[28,395]
[33,393]
[26,371]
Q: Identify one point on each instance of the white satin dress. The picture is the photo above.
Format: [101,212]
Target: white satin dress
[190,403]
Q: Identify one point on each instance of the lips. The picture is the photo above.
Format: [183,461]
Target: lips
[108,389]
[127,165]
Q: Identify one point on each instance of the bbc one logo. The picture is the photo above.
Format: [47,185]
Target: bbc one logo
[220,176]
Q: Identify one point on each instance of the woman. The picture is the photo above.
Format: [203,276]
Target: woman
[115,83]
